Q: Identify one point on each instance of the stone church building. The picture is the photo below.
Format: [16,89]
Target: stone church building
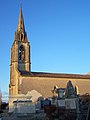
[22,79]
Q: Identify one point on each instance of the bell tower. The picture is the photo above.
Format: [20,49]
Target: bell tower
[20,55]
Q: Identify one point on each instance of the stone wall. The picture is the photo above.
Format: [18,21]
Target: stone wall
[44,85]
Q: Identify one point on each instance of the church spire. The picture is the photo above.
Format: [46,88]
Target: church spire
[21,21]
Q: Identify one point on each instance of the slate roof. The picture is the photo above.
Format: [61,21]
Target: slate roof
[54,75]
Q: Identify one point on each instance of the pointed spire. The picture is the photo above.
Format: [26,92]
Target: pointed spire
[21,21]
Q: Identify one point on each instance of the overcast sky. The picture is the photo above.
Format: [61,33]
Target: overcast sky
[58,32]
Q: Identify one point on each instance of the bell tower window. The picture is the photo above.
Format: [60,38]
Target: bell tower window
[21,37]
[21,53]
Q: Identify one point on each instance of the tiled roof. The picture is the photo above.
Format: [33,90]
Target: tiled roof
[54,75]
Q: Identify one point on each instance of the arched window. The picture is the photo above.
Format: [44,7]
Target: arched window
[21,37]
[21,53]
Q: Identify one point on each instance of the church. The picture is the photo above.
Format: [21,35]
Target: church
[22,79]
